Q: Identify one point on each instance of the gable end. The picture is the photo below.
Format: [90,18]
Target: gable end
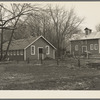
[39,38]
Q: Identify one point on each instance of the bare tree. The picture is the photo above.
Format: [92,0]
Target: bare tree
[98,28]
[11,18]
[65,23]
[55,24]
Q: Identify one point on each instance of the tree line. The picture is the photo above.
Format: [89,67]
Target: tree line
[19,21]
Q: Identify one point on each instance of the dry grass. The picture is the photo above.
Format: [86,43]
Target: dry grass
[66,76]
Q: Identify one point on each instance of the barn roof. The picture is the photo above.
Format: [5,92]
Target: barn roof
[93,35]
[23,43]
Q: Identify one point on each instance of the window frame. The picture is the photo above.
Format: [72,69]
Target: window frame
[91,47]
[14,52]
[11,53]
[21,52]
[95,46]
[31,49]
[17,52]
[76,47]
[47,46]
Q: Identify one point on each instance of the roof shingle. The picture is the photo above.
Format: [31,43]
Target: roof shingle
[93,35]
[19,44]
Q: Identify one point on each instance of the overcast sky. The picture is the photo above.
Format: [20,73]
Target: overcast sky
[89,10]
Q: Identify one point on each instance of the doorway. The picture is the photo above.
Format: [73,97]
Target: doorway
[40,53]
[84,49]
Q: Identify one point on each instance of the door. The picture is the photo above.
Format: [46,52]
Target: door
[40,53]
[84,49]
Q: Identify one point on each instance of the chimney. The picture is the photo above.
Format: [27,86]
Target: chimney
[87,31]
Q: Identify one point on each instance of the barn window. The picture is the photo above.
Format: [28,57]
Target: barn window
[17,52]
[14,53]
[21,52]
[32,50]
[91,46]
[76,47]
[10,52]
[95,47]
[47,50]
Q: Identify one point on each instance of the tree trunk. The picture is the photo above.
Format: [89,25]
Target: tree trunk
[1,44]
[11,38]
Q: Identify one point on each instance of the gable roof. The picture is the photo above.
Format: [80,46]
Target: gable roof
[24,43]
[93,35]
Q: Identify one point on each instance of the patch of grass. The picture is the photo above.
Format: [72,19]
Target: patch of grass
[23,76]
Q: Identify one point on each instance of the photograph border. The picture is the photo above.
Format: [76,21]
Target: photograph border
[49,95]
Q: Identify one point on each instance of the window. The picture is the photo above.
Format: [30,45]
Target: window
[47,50]
[14,53]
[91,46]
[21,52]
[95,47]
[76,47]
[10,52]
[17,52]
[32,50]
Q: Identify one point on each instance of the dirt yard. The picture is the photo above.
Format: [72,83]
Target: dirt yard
[49,76]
